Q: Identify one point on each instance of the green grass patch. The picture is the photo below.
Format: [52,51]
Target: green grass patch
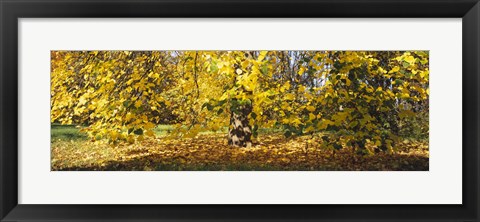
[72,132]
[66,133]
[162,130]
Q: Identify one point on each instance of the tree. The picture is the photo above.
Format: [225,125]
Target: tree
[354,98]
[368,92]
[116,94]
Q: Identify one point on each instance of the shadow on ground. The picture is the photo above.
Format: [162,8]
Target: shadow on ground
[211,153]
[158,162]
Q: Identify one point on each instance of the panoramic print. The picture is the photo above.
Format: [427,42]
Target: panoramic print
[239,110]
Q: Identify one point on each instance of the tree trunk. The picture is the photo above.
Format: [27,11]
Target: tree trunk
[240,131]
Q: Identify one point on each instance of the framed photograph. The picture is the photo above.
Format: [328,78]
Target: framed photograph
[224,110]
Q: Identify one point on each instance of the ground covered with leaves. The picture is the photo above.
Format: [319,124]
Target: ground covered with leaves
[270,152]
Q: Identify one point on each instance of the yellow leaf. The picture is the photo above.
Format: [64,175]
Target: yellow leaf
[289,96]
[301,71]
[262,55]
[301,88]
[395,69]
[150,133]
[309,129]
[138,103]
[410,59]
[128,117]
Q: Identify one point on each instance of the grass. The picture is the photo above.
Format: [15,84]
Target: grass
[162,130]
[72,132]
[66,133]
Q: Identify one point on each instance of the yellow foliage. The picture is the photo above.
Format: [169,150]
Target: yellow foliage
[123,95]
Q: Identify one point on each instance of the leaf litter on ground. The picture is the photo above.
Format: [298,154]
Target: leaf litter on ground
[269,152]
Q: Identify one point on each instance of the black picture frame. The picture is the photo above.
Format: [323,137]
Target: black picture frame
[11,10]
